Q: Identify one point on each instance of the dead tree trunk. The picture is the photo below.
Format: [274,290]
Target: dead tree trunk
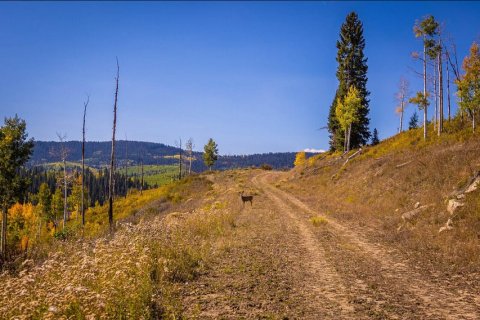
[180,161]
[425,89]
[141,181]
[64,193]
[401,117]
[63,154]
[448,85]
[126,167]
[435,96]
[3,246]
[83,161]
[440,92]
[189,148]
[112,157]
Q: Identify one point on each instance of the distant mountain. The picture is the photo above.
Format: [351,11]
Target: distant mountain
[97,155]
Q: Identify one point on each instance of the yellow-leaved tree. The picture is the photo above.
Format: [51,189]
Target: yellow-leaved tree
[23,226]
[300,159]
[347,113]
[469,84]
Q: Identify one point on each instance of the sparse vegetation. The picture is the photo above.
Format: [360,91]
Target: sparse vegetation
[318,221]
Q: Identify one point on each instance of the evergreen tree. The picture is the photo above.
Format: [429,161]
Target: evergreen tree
[351,71]
[57,206]
[413,123]
[45,201]
[375,139]
[211,153]
[15,150]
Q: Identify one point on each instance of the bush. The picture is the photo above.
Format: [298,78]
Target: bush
[318,221]
[266,166]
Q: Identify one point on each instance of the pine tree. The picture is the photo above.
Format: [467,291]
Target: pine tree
[15,150]
[375,139]
[351,71]
[57,206]
[45,203]
[413,123]
[211,153]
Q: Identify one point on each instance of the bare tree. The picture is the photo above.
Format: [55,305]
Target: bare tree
[452,61]
[63,155]
[85,104]
[448,85]
[180,160]
[140,160]
[402,97]
[126,166]
[189,148]
[112,158]
[440,87]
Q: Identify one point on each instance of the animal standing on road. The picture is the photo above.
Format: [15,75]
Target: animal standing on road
[246,199]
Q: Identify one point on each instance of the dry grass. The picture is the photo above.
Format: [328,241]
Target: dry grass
[374,189]
[132,275]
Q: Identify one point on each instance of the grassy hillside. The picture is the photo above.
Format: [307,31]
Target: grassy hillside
[70,165]
[374,189]
[154,174]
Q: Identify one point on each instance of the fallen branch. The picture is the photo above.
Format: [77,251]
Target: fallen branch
[403,164]
[353,155]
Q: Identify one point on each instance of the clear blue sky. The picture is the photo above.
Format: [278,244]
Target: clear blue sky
[255,76]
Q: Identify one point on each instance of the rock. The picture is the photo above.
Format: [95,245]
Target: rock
[53,309]
[417,205]
[27,264]
[460,196]
[410,215]
[473,185]
[453,205]
[448,226]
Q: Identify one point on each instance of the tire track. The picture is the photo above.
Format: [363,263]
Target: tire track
[434,301]
[324,282]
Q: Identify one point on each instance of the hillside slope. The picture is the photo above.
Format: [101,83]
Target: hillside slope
[380,189]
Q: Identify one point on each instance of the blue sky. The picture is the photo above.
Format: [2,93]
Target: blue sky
[255,76]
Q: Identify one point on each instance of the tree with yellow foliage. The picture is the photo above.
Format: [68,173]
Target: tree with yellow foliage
[347,113]
[300,159]
[23,224]
[469,84]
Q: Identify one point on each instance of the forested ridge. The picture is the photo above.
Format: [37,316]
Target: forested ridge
[97,155]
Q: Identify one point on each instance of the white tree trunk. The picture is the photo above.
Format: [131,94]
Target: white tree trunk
[424,90]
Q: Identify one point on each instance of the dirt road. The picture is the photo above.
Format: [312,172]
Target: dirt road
[280,265]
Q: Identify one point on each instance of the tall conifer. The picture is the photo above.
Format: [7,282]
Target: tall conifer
[351,71]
